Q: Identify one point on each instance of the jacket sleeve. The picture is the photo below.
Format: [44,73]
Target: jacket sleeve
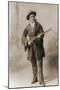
[24,39]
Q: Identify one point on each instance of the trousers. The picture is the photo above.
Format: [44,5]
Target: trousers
[37,68]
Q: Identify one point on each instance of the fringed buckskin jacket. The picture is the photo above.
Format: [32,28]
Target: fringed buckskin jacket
[36,50]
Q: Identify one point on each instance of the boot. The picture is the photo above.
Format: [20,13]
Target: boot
[34,81]
[42,84]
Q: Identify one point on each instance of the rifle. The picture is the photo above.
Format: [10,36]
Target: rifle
[31,40]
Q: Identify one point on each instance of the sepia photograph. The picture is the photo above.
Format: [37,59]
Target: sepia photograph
[33,35]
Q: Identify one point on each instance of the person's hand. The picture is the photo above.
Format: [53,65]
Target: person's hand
[28,38]
[29,42]
[38,36]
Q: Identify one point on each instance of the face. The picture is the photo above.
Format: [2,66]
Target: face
[32,18]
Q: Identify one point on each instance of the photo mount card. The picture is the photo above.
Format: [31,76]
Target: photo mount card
[33,30]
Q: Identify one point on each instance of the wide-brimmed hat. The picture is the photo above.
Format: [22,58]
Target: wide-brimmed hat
[30,13]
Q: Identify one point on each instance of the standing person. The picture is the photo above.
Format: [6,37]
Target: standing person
[35,49]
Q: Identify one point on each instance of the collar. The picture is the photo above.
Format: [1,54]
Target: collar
[32,24]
